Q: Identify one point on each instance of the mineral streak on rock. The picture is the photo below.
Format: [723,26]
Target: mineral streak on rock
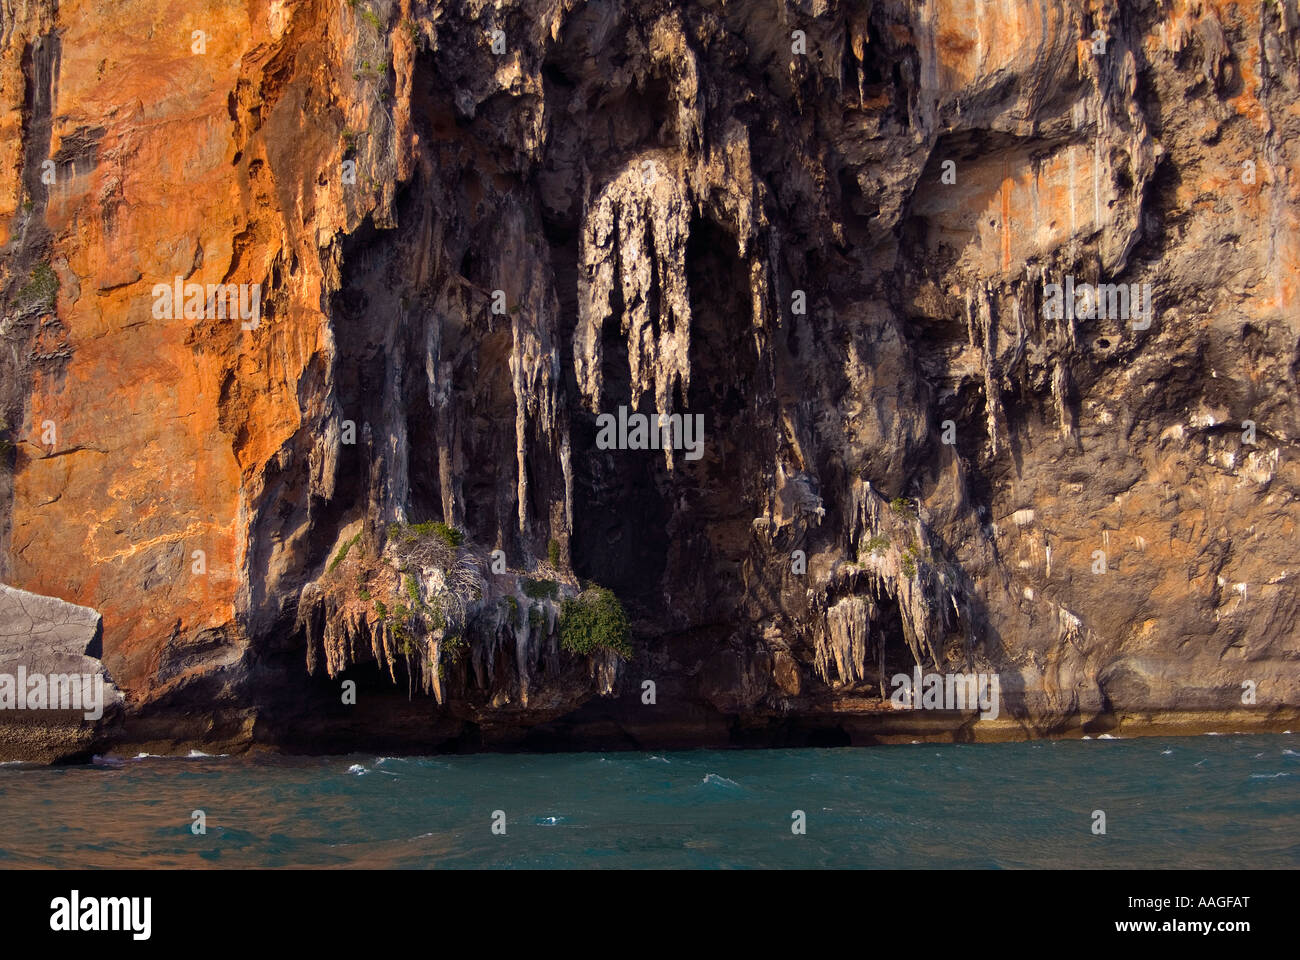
[476,226]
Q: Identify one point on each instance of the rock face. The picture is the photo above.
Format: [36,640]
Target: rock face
[56,700]
[989,309]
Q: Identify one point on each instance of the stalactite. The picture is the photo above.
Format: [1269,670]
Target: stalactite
[642,202]
[923,593]
[992,388]
[845,642]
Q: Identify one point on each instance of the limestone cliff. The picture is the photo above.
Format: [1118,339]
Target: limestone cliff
[989,308]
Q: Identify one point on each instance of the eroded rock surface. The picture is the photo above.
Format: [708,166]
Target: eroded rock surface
[57,702]
[833,229]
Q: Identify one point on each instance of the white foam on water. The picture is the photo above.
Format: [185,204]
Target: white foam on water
[719,779]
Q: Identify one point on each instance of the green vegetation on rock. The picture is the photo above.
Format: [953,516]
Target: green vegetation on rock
[41,290]
[595,620]
[541,589]
[343,553]
[876,545]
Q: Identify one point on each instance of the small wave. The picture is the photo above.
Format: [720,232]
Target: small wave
[719,780]
[358,769]
[1214,734]
[1268,776]
[1085,737]
[1165,753]
[550,821]
[659,759]
[192,755]
[1107,736]
[1288,752]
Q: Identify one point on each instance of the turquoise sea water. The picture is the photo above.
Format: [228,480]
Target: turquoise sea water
[1212,801]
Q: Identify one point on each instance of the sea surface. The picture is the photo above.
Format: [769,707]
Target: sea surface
[1230,801]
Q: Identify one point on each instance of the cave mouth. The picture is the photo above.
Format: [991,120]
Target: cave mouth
[887,630]
[719,492]
[621,514]
[650,533]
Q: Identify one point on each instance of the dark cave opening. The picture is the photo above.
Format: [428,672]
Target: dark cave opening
[424,475]
[887,629]
[620,537]
[718,489]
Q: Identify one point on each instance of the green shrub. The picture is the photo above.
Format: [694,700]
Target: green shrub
[343,552]
[877,544]
[512,609]
[381,608]
[449,535]
[902,506]
[595,620]
[553,553]
[541,589]
[536,617]
[372,18]
[41,289]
